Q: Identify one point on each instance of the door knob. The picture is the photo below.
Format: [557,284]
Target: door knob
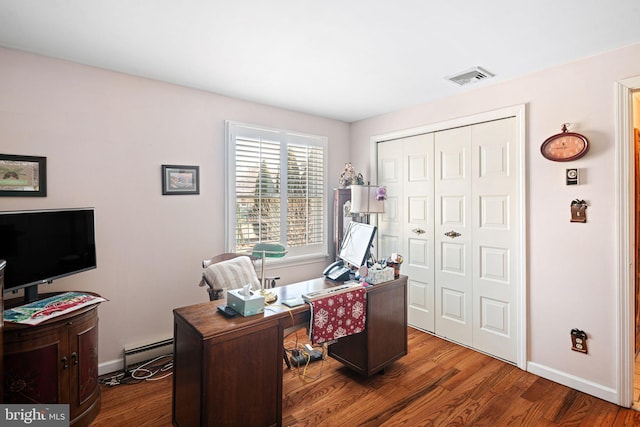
[452,234]
[418,231]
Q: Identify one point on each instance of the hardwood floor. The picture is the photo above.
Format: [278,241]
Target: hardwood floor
[438,383]
[636,383]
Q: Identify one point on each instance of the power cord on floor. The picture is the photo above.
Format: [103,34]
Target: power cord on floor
[302,369]
[153,370]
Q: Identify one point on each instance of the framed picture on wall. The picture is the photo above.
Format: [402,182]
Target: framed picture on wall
[177,179]
[23,176]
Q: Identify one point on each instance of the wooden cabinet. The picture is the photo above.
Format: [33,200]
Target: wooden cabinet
[385,337]
[55,362]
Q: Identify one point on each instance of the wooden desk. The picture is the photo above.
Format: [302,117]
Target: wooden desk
[229,371]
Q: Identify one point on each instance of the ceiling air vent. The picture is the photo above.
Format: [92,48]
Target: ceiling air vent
[470,76]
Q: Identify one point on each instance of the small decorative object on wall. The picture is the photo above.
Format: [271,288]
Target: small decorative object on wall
[177,179]
[23,176]
[565,146]
[578,211]
[349,176]
[573,176]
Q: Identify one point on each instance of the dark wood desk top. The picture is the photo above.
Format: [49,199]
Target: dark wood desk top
[205,319]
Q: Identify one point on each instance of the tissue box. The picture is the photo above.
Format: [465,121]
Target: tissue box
[379,276]
[246,306]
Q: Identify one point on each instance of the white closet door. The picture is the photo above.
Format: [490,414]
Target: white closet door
[461,188]
[405,166]
[453,258]
[390,223]
[418,230]
[495,231]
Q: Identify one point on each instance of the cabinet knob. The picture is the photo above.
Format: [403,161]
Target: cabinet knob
[452,234]
[74,358]
[65,365]
[418,231]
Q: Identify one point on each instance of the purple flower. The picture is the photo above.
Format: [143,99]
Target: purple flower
[381,193]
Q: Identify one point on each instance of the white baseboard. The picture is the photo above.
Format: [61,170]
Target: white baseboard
[111,366]
[594,389]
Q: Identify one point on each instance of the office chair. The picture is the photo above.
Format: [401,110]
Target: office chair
[232,271]
[228,271]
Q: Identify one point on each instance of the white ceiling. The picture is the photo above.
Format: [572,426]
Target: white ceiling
[341,59]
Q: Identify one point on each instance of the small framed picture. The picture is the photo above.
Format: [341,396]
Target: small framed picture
[178,179]
[23,176]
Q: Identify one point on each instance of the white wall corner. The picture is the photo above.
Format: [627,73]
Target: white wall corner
[625,229]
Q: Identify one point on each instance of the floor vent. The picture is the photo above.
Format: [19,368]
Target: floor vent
[470,76]
[134,356]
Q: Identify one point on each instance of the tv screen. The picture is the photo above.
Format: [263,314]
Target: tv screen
[356,243]
[41,246]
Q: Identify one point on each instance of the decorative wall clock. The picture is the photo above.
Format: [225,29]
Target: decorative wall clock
[565,146]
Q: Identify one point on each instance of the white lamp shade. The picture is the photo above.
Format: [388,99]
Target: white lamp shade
[363,199]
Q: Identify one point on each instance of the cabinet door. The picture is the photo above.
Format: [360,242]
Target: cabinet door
[386,324]
[35,367]
[243,378]
[385,338]
[83,359]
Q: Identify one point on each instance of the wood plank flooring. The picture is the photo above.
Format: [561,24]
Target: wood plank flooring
[437,384]
[636,383]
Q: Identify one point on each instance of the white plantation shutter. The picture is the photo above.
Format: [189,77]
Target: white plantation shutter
[276,190]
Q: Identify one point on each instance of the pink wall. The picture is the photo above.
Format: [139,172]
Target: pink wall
[105,136]
[572,279]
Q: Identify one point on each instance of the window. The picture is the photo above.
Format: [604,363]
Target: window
[276,190]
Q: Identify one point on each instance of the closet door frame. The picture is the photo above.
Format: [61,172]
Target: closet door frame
[519,113]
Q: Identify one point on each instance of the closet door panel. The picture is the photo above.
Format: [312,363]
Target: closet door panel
[405,167]
[390,221]
[418,229]
[452,233]
[494,238]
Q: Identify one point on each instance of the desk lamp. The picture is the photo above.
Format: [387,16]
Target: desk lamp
[264,251]
[367,199]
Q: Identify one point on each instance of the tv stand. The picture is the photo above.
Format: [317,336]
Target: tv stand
[55,361]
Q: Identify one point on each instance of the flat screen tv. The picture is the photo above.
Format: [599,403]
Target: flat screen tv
[356,243]
[41,246]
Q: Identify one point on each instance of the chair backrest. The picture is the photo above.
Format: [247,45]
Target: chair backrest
[225,257]
[228,271]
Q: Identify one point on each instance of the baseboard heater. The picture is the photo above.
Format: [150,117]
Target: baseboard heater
[135,356]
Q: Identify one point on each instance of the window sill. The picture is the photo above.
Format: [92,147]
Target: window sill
[292,261]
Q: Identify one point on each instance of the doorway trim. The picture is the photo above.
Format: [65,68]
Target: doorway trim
[626,228]
[519,112]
